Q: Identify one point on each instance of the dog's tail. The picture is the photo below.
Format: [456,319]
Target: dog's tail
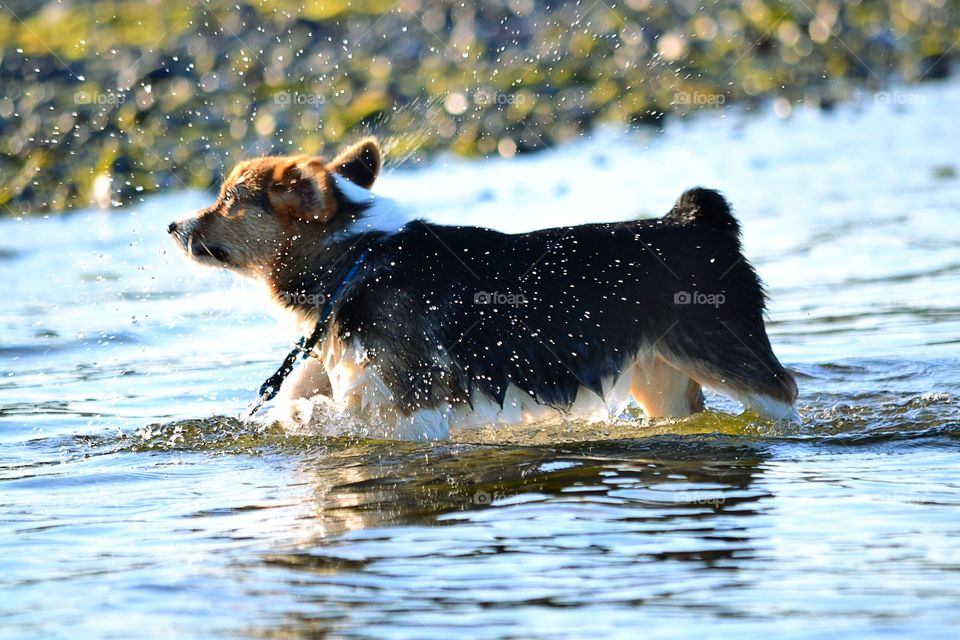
[735,359]
[705,208]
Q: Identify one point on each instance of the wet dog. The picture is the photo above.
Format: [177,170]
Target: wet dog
[429,326]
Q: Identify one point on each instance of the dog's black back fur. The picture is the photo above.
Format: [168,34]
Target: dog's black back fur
[568,307]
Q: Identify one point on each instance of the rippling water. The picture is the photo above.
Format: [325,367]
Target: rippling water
[132,502]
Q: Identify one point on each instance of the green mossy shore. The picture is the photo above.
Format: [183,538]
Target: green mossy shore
[104,100]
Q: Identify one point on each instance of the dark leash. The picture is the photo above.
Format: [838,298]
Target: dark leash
[305,345]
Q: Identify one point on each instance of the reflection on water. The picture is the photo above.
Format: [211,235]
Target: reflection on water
[132,499]
[418,487]
[521,531]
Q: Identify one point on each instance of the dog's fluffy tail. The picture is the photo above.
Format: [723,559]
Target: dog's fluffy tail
[705,208]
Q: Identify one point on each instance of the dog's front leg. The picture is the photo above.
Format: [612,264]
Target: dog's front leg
[305,381]
[293,402]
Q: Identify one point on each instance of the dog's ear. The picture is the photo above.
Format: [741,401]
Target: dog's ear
[296,189]
[360,164]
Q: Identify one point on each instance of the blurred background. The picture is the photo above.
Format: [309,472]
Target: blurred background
[103,100]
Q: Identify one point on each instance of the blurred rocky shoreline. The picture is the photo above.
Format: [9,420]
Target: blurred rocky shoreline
[104,100]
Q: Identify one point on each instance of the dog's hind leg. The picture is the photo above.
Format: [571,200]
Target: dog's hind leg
[716,334]
[662,390]
[737,362]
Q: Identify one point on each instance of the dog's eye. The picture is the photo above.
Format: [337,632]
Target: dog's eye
[229,204]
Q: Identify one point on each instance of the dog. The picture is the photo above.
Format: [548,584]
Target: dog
[431,327]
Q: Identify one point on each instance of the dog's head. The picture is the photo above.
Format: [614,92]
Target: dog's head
[265,204]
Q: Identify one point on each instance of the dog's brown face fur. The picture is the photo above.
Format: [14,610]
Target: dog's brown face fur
[267,204]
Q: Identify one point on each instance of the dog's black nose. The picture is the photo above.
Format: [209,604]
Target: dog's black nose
[172,228]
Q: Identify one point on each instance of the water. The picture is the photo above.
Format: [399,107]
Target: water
[133,503]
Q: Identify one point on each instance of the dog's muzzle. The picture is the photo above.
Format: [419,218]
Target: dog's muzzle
[184,234]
